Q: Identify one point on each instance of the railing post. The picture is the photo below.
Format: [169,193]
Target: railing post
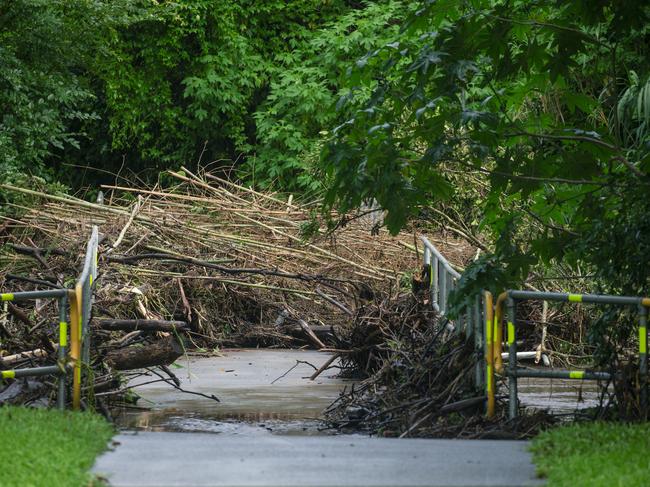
[75,344]
[489,354]
[442,277]
[435,283]
[478,341]
[643,360]
[512,356]
[63,343]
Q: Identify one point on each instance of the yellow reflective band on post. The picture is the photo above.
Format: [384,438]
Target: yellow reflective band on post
[511,333]
[63,334]
[7,297]
[8,374]
[575,298]
[576,374]
[91,279]
[643,339]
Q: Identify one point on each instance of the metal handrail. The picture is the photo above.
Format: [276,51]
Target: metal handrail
[510,299]
[442,276]
[61,368]
[443,279]
[81,299]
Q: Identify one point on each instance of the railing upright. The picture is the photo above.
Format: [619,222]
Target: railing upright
[443,279]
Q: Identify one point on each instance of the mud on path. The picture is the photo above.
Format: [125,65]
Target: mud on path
[261,391]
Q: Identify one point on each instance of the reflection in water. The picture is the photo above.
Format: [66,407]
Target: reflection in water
[558,395]
[254,401]
[247,425]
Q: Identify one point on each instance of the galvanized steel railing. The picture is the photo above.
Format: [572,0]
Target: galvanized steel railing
[484,320]
[61,368]
[443,279]
[80,301]
[509,300]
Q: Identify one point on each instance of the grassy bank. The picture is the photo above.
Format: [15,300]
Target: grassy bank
[594,454]
[45,447]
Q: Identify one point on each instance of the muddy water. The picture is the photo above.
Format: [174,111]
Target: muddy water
[260,392]
[266,391]
[560,396]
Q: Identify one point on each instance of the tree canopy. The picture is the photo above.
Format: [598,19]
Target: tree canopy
[527,121]
[549,102]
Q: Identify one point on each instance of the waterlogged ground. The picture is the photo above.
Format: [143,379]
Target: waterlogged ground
[561,396]
[260,392]
[267,397]
[265,391]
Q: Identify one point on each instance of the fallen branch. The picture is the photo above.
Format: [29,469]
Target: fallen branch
[310,334]
[141,325]
[324,366]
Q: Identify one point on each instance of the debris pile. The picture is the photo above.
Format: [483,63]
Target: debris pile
[418,377]
[208,259]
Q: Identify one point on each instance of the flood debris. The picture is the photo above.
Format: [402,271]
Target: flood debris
[201,264]
[417,377]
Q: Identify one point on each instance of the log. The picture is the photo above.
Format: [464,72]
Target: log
[310,334]
[140,325]
[323,333]
[161,352]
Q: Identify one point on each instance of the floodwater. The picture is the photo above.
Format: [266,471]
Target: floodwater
[261,391]
[561,396]
[266,391]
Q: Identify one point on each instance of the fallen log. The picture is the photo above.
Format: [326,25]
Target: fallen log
[310,334]
[160,352]
[322,332]
[140,325]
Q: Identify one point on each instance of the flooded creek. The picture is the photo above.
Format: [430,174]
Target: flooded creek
[261,391]
[265,391]
[562,396]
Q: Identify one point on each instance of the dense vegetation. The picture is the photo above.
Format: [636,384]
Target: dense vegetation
[526,125]
[140,87]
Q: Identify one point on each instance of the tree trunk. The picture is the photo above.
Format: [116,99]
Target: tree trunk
[161,352]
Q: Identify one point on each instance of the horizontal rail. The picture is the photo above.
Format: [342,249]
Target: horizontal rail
[89,270]
[32,372]
[29,295]
[579,298]
[564,374]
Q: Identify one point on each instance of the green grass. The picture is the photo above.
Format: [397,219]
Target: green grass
[49,448]
[594,454]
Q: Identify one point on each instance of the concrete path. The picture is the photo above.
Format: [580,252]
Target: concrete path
[256,435]
[204,459]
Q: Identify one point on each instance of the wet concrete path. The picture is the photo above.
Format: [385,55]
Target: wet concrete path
[264,433]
